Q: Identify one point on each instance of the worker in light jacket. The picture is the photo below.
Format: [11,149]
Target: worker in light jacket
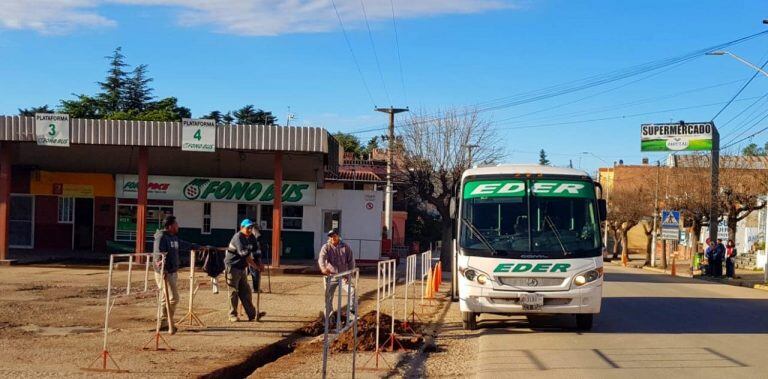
[335,257]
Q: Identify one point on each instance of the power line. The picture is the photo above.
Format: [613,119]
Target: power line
[352,52]
[375,54]
[582,84]
[397,45]
[749,136]
[753,116]
[739,91]
[730,135]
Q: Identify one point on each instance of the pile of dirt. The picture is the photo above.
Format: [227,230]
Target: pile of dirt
[407,336]
[317,327]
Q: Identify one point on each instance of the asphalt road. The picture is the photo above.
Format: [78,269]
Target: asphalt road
[651,326]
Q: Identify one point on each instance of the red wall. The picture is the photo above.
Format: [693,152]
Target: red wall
[49,234]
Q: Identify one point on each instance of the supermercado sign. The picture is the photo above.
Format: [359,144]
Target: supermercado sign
[237,190]
[517,188]
[696,136]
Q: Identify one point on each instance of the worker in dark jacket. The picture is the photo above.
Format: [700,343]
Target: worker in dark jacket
[243,251]
[168,242]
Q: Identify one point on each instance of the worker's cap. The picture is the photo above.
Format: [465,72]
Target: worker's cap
[246,223]
[333,232]
[169,220]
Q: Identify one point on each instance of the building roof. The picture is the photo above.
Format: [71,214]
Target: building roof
[347,175]
[512,169]
[727,161]
[168,134]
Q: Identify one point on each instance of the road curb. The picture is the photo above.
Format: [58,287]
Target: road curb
[662,271]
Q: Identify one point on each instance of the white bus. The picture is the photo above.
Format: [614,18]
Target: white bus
[528,243]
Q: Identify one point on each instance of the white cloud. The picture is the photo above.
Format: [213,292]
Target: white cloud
[51,16]
[241,17]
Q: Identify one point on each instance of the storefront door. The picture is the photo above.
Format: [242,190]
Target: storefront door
[21,221]
[83,226]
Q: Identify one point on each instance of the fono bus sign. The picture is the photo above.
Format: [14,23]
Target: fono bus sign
[236,190]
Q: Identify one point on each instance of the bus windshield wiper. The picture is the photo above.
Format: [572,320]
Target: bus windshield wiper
[472,228]
[556,233]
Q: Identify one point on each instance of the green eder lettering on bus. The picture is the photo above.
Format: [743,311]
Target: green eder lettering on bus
[525,267]
[563,188]
[494,188]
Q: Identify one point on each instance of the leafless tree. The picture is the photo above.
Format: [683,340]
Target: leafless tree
[434,155]
[629,205]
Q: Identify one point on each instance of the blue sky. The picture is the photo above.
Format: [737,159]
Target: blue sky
[280,54]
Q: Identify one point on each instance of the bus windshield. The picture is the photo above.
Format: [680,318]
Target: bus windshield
[530,219]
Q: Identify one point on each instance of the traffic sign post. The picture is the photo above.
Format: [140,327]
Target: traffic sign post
[198,135]
[670,225]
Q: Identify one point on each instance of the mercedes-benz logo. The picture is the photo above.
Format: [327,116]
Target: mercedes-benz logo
[532,282]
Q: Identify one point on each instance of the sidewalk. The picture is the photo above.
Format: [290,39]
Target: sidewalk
[744,278]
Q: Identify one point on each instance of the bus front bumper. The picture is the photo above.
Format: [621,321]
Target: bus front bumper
[585,299]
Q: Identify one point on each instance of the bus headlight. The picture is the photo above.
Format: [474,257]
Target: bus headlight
[588,277]
[482,279]
[470,275]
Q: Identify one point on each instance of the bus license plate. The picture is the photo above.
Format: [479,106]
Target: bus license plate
[531,301]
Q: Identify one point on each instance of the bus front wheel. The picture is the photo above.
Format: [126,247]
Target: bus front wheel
[469,320]
[584,321]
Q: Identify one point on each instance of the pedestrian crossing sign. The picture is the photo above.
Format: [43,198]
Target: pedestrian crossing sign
[670,219]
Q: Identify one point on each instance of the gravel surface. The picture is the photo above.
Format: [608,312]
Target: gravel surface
[52,319]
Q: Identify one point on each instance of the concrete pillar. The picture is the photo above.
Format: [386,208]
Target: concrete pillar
[141,208]
[5,197]
[277,210]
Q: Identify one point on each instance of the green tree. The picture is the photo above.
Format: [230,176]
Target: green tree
[372,144]
[752,150]
[138,94]
[249,115]
[227,118]
[349,142]
[113,87]
[543,158]
[216,116]
[83,106]
[32,110]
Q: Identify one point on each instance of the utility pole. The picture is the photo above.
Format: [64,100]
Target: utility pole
[469,148]
[390,145]
[655,215]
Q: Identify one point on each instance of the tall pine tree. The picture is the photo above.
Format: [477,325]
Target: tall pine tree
[113,86]
[543,158]
[138,94]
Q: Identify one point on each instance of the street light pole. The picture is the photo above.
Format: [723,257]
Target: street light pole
[390,145]
[740,59]
[655,215]
[469,148]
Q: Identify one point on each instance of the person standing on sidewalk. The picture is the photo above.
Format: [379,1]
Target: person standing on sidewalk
[710,255]
[335,257]
[168,242]
[719,256]
[242,252]
[730,260]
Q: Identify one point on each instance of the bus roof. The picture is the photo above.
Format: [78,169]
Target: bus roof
[523,169]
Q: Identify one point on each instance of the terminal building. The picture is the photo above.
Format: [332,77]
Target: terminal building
[114,183]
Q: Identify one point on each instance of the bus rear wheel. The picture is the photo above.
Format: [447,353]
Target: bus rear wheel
[584,321]
[469,320]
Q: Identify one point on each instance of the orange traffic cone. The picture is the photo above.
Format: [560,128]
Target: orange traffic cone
[439,274]
[429,293]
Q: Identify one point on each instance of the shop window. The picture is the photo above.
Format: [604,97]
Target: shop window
[265,222]
[293,216]
[206,219]
[66,210]
[126,221]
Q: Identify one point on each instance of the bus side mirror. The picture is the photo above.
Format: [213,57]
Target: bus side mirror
[602,209]
[452,208]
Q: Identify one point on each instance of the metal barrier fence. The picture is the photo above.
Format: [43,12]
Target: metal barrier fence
[333,286]
[426,268]
[386,282]
[410,280]
[157,260]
